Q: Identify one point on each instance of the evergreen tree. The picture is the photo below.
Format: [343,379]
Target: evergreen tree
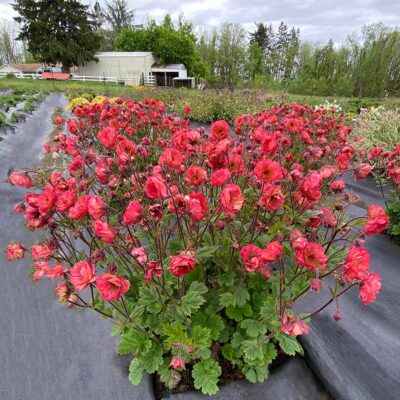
[119,15]
[57,31]
[98,15]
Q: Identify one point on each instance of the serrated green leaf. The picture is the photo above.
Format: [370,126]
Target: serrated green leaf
[227,299]
[135,371]
[253,350]
[253,328]
[242,296]
[257,374]
[234,313]
[289,344]
[210,320]
[149,299]
[175,333]
[270,352]
[205,375]
[237,340]
[206,252]
[117,330]
[134,342]
[193,299]
[201,337]
[152,359]
[227,279]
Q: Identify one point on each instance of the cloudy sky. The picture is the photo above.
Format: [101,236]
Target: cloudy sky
[319,20]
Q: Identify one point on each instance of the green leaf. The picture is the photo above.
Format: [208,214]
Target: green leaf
[212,321]
[175,333]
[205,375]
[153,358]
[242,296]
[135,371]
[253,328]
[149,299]
[206,252]
[193,299]
[227,279]
[234,313]
[117,330]
[201,338]
[237,340]
[253,350]
[270,352]
[134,342]
[227,299]
[257,374]
[289,344]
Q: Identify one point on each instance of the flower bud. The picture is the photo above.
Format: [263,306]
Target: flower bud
[98,255]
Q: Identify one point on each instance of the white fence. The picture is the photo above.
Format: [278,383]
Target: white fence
[131,80]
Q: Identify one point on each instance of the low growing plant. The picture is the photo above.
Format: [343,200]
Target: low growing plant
[198,245]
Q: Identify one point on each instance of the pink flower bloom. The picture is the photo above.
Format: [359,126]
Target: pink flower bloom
[272,252]
[177,362]
[362,171]
[293,327]
[310,255]
[268,171]
[56,272]
[140,254]
[40,269]
[220,177]
[103,231]
[108,136]
[80,209]
[40,252]
[82,274]
[182,264]
[251,257]
[316,284]
[272,198]
[153,269]
[219,131]
[195,175]
[14,251]
[310,187]
[377,220]
[231,199]
[197,206]
[112,287]
[370,287]
[356,265]
[65,201]
[155,188]
[96,207]
[133,213]
[20,179]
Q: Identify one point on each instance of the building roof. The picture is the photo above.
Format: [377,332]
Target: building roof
[168,67]
[123,53]
[24,67]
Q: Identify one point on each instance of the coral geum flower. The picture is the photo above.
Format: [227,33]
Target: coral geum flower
[197,243]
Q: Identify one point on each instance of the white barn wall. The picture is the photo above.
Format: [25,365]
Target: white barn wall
[120,64]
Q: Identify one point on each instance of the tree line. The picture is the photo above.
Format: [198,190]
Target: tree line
[366,65]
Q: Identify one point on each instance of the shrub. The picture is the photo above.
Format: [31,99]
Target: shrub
[377,126]
[197,245]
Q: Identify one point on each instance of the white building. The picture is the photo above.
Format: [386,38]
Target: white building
[133,68]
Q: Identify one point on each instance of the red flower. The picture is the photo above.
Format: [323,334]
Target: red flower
[177,362]
[220,177]
[177,204]
[251,257]
[272,197]
[80,209]
[310,255]
[103,231]
[356,265]
[362,171]
[155,188]
[272,252]
[96,207]
[82,274]
[40,270]
[231,199]
[133,213]
[76,167]
[172,158]
[112,287]
[46,200]
[14,251]
[293,327]
[370,287]
[108,136]
[20,179]
[181,265]
[316,285]
[394,174]
[125,150]
[377,220]
[310,186]
[65,201]
[219,130]
[268,171]
[39,252]
[56,272]
[338,186]
[269,144]
[197,206]
[195,175]
[187,109]
[153,269]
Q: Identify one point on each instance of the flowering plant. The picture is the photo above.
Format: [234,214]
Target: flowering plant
[197,245]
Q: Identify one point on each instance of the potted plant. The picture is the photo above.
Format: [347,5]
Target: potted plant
[197,244]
